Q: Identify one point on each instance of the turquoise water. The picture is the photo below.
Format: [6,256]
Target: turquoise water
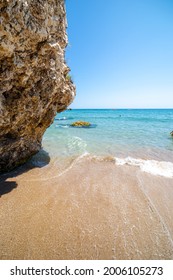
[126,132]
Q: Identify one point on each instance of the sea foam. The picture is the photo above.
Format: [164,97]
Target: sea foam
[162,168]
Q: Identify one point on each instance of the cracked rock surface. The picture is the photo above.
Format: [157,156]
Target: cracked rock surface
[34,81]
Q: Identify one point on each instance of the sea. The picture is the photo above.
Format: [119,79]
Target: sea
[139,137]
[98,193]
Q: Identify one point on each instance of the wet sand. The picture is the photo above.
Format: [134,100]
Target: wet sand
[91,210]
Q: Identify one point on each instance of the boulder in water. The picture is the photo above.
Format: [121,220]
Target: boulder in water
[81,124]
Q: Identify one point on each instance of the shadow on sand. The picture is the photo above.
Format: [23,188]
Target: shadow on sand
[39,160]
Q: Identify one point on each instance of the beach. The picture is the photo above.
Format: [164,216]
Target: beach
[88,206]
[93,210]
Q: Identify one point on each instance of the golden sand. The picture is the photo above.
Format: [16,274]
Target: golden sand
[91,210]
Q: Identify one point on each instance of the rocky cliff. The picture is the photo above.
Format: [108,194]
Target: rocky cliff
[34,81]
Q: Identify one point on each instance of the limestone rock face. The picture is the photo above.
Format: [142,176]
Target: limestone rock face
[34,84]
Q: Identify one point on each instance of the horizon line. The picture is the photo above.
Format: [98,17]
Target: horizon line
[120,108]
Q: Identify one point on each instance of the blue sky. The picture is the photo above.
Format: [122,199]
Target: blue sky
[121,53]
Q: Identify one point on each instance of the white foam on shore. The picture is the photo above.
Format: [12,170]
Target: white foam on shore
[72,164]
[162,168]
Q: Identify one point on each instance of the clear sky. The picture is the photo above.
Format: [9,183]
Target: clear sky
[121,53]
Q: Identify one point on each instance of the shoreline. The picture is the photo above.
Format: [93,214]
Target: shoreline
[91,210]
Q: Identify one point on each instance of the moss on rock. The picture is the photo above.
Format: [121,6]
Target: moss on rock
[80,124]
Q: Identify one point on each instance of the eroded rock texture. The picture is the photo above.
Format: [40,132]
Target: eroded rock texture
[33,75]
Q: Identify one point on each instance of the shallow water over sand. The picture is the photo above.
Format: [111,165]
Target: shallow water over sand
[141,134]
[88,208]
[99,193]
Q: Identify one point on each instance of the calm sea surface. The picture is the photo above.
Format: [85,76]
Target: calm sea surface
[120,133]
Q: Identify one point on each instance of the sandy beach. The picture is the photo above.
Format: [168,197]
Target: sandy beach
[92,209]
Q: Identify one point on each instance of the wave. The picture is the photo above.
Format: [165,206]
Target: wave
[62,125]
[69,126]
[74,162]
[154,167]
[63,119]
[76,144]
[71,165]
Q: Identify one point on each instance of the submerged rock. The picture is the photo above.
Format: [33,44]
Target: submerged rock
[33,83]
[171,133]
[81,124]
